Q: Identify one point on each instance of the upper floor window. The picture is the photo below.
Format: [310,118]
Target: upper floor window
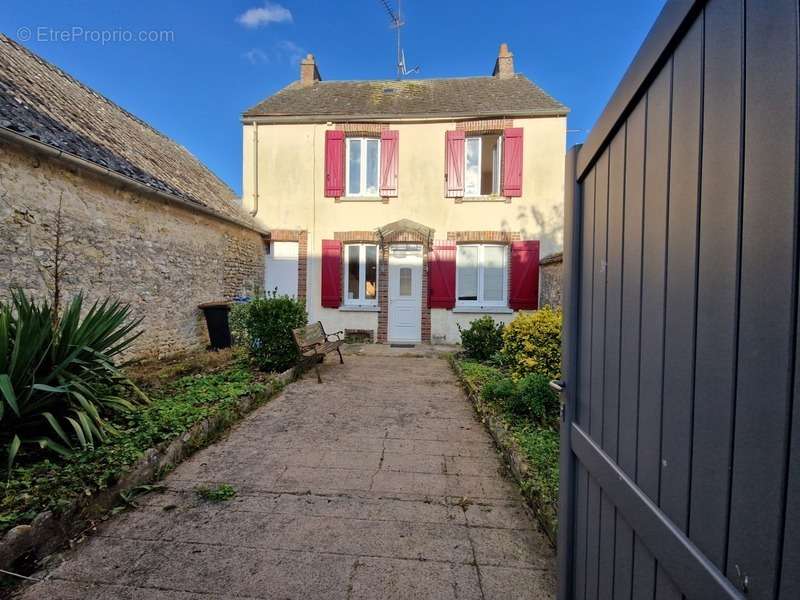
[482,160]
[361,274]
[482,275]
[363,156]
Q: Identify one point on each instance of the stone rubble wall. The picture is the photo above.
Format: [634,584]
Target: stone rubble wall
[551,270]
[161,258]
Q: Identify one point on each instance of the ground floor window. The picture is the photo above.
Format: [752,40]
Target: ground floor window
[482,275]
[361,274]
[281,265]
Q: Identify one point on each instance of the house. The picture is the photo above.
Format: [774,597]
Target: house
[139,217]
[406,208]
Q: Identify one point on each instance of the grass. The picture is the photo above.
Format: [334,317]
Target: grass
[540,445]
[221,493]
[38,482]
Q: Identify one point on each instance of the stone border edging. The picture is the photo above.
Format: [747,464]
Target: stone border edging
[49,531]
[518,464]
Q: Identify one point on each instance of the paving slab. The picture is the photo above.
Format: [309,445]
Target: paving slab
[378,483]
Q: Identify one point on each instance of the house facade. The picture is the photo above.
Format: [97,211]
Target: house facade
[402,209]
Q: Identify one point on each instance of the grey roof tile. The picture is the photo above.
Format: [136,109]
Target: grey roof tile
[40,101]
[468,96]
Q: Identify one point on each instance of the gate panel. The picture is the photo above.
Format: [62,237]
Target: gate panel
[681,331]
[597,364]
[653,293]
[676,426]
[717,296]
[616,190]
[767,296]
[629,342]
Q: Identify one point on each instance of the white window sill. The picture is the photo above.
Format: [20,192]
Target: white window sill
[491,198]
[361,198]
[359,308]
[497,310]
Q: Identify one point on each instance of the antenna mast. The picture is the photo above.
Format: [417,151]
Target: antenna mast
[396,22]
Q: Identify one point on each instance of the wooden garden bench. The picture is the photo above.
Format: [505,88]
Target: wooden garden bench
[313,344]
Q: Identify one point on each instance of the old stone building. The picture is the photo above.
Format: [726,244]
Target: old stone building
[141,219]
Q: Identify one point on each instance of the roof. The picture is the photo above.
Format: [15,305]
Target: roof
[41,102]
[463,97]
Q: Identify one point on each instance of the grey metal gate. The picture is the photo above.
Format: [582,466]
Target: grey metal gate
[681,430]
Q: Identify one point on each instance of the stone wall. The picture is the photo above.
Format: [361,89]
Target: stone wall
[550,277]
[162,259]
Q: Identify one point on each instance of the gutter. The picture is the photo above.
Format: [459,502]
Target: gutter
[254,210]
[81,163]
[383,118]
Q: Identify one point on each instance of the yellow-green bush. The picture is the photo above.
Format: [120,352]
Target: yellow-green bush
[532,344]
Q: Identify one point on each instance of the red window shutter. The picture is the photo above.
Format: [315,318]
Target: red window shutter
[512,162]
[390,140]
[454,164]
[334,163]
[331,273]
[442,275]
[524,275]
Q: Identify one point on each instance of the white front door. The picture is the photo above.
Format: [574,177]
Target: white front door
[282,268]
[405,293]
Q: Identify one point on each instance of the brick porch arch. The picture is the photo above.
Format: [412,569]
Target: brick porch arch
[399,232]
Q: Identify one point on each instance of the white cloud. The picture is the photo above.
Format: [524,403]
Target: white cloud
[264,15]
[256,56]
[290,51]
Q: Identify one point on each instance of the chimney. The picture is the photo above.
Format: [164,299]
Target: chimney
[504,67]
[308,71]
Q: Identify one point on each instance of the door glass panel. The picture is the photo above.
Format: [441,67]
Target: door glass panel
[467,272]
[372,167]
[472,169]
[371,278]
[354,166]
[352,273]
[405,281]
[493,273]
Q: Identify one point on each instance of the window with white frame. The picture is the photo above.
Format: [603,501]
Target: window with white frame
[363,166]
[482,275]
[361,275]
[482,160]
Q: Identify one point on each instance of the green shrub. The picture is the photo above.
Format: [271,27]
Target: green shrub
[482,338]
[237,320]
[58,380]
[541,447]
[499,391]
[535,400]
[221,493]
[269,322]
[532,344]
[478,374]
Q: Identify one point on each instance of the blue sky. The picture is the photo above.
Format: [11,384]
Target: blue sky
[220,58]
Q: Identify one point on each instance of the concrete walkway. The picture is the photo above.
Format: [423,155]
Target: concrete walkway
[379,483]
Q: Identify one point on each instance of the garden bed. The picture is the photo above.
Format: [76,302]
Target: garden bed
[48,499]
[531,451]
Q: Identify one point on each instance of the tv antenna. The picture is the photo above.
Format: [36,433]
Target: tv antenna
[396,22]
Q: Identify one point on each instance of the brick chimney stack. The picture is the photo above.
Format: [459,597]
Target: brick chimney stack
[309,73]
[504,67]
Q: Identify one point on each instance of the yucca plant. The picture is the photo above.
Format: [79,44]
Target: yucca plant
[58,380]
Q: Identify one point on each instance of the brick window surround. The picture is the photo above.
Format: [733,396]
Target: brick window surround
[485,125]
[486,237]
[301,237]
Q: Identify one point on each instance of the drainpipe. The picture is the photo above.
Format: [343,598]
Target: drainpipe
[254,210]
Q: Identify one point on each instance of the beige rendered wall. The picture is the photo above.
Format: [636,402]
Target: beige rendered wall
[290,182]
[162,259]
